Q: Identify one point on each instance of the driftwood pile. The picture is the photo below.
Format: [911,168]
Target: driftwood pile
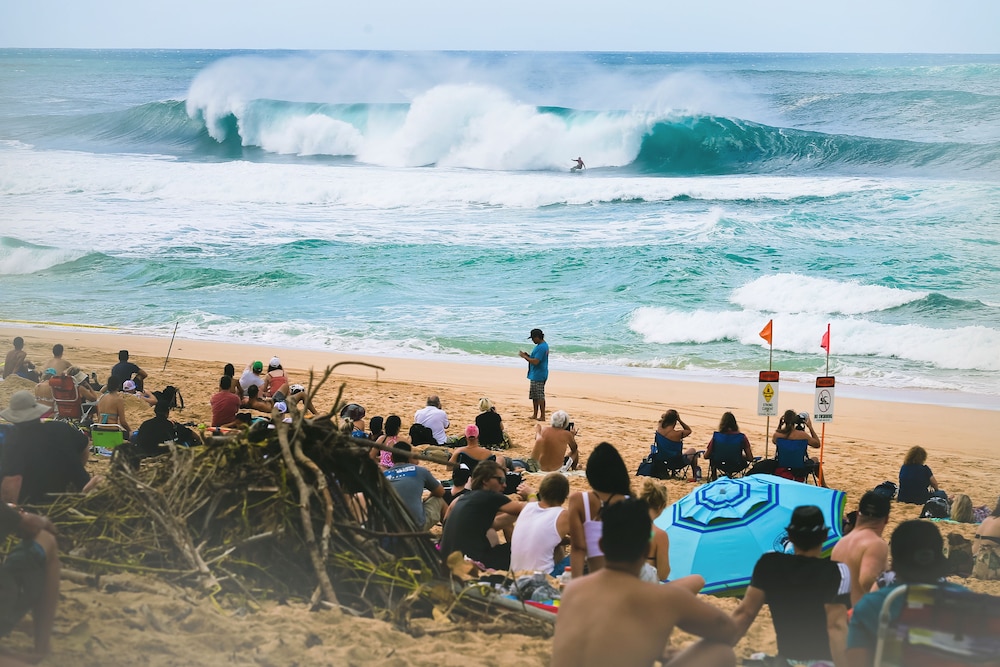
[295,511]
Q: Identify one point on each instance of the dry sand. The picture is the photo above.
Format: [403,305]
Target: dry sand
[139,620]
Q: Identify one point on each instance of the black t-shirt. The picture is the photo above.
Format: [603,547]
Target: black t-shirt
[160,429]
[451,496]
[490,428]
[797,590]
[124,370]
[470,516]
[49,458]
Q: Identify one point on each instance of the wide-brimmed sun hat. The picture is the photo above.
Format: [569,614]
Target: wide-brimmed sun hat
[23,408]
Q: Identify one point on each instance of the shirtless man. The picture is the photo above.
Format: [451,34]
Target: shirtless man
[552,442]
[611,617]
[863,550]
[579,165]
[57,362]
[16,362]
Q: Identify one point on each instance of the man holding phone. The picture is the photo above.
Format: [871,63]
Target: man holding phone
[553,442]
[538,373]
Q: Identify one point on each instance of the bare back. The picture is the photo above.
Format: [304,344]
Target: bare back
[551,447]
[866,554]
[612,618]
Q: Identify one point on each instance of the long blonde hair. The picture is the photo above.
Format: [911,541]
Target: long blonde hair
[961,508]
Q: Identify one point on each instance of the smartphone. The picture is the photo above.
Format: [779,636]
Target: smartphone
[570,426]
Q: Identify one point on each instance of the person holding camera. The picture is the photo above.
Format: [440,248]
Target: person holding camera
[791,436]
[553,442]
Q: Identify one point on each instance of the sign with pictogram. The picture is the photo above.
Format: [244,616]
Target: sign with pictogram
[767,394]
[823,409]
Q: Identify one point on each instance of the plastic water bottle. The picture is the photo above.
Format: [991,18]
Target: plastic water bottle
[566,577]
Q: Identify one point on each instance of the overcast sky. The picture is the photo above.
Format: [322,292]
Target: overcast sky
[881,26]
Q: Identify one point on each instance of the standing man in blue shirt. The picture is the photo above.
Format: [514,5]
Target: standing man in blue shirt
[538,373]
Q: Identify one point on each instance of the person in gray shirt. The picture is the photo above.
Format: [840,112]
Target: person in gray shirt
[409,480]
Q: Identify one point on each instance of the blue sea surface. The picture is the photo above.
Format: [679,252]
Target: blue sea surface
[421,204]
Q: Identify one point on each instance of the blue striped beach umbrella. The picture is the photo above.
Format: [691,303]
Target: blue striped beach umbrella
[720,529]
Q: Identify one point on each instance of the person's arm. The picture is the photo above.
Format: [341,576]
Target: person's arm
[747,451]
[745,614]
[813,439]
[562,526]
[700,618]
[574,451]
[685,431]
[142,375]
[836,630]
[934,483]
[873,563]
[662,541]
[122,420]
[454,455]
[577,539]
[10,488]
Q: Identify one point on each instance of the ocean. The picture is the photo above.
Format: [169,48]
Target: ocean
[421,205]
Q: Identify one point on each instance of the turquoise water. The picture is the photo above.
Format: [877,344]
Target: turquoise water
[421,205]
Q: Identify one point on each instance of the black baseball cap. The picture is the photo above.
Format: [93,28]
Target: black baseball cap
[536,333]
[807,519]
[874,505]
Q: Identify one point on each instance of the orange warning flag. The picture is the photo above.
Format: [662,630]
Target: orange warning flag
[765,333]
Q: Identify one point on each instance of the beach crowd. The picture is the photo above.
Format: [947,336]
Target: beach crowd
[618,604]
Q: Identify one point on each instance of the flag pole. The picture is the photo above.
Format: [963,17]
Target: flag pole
[170,347]
[822,435]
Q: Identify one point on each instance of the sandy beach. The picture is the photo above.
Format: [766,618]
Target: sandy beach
[139,620]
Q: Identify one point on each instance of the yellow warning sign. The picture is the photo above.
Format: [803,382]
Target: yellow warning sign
[768,392]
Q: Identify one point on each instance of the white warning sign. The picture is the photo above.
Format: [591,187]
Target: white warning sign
[823,408]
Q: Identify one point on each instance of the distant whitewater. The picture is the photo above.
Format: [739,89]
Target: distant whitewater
[421,204]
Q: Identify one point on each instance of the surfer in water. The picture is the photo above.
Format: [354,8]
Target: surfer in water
[579,166]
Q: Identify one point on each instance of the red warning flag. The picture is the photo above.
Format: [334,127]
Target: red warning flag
[765,333]
[825,342]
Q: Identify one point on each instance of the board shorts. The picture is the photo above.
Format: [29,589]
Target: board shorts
[536,391]
[22,581]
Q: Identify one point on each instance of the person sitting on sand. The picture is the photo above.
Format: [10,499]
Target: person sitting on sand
[16,362]
[253,401]
[611,483]
[39,458]
[657,567]
[460,476]
[111,406]
[29,580]
[986,548]
[808,595]
[491,433]
[43,392]
[275,378]
[863,550]
[410,481]
[156,432]
[126,370]
[472,452]
[613,618]
[542,528]
[916,479]
[297,394]
[434,418]
[472,522]
[252,376]
[391,436]
[129,388]
[235,387]
[668,440]
[553,442]
[225,404]
[57,361]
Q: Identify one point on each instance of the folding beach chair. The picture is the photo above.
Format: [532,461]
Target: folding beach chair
[727,455]
[66,397]
[794,462]
[929,626]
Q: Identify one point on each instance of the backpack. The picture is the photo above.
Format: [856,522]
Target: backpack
[421,435]
[959,555]
[887,489]
[936,508]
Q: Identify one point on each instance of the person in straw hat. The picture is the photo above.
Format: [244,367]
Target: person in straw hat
[39,457]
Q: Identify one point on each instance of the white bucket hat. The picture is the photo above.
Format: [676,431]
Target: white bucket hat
[23,408]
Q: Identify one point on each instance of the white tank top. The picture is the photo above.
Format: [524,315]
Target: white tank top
[534,539]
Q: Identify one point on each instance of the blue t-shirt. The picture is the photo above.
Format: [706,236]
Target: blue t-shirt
[913,483]
[409,481]
[863,630]
[539,372]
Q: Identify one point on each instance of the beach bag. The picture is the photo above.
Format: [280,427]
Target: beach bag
[887,489]
[936,508]
[421,435]
[764,467]
[986,564]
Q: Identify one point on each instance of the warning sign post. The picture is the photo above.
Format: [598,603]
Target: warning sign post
[823,408]
[767,394]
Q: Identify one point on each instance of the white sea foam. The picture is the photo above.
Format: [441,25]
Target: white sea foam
[971,347]
[795,293]
[27,259]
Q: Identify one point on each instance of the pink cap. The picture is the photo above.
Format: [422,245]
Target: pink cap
[471,431]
